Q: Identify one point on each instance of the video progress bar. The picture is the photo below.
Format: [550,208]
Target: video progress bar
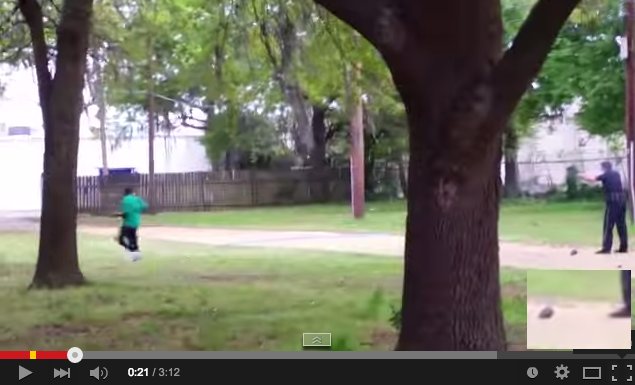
[206,355]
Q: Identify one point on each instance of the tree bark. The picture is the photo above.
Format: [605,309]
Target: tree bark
[459,91]
[512,185]
[61,103]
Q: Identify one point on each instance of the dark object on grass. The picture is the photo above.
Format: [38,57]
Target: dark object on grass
[574,252]
[546,313]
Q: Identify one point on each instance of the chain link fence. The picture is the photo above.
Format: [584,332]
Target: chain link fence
[544,174]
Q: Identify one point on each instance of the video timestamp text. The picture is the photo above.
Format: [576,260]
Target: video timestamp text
[154,372]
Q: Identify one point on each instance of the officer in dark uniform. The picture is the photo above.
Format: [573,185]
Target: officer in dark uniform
[615,212]
[625,312]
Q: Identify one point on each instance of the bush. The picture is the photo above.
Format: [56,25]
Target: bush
[343,344]
[395,317]
[375,304]
[572,182]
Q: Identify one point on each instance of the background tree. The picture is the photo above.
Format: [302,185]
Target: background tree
[61,104]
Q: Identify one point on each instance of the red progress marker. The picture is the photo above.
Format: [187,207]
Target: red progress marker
[33,355]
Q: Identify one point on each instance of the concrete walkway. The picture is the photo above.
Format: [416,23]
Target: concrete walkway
[577,325]
[19,220]
[512,255]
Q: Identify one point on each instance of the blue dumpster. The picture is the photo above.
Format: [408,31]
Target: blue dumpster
[118,171]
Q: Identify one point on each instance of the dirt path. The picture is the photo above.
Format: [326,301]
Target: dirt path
[577,325]
[512,255]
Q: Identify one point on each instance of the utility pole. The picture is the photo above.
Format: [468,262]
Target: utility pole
[357,146]
[151,126]
[151,111]
[627,54]
[101,104]
[151,130]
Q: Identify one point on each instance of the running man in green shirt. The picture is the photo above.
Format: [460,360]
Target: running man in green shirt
[132,207]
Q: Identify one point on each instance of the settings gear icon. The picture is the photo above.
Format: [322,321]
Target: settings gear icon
[562,372]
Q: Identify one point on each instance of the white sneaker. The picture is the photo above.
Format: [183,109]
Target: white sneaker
[135,256]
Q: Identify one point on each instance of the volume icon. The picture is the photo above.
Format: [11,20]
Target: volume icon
[99,373]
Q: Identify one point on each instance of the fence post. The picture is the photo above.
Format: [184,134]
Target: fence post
[253,187]
[201,181]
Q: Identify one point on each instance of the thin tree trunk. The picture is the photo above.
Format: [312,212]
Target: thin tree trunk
[61,103]
[459,92]
[151,126]
[294,97]
[370,159]
[512,186]
[100,94]
[227,160]
[318,153]
[358,191]
[288,46]
[318,127]
[403,178]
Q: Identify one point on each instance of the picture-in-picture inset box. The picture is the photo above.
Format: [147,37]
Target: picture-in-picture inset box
[578,309]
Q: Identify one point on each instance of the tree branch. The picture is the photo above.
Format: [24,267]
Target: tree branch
[185,123]
[57,8]
[32,12]
[522,62]
[362,15]
[264,35]
[10,15]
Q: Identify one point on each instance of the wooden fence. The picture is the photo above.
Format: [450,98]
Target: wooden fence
[208,190]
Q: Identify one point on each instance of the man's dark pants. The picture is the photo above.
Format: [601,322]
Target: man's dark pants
[626,288]
[128,238]
[615,216]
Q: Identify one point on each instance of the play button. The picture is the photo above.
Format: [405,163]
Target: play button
[23,372]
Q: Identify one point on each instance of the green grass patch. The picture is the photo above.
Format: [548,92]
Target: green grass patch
[581,285]
[192,297]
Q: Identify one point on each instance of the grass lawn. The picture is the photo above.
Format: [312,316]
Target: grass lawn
[190,297]
[576,223]
[581,285]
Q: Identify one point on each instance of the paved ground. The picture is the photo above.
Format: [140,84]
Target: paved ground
[512,255]
[18,221]
[577,325]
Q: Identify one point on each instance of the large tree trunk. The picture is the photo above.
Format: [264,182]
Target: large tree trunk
[512,185]
[451,295]
[61,103]
[459,91]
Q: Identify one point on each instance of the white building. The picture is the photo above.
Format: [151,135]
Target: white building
[545,156]
[21,156]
